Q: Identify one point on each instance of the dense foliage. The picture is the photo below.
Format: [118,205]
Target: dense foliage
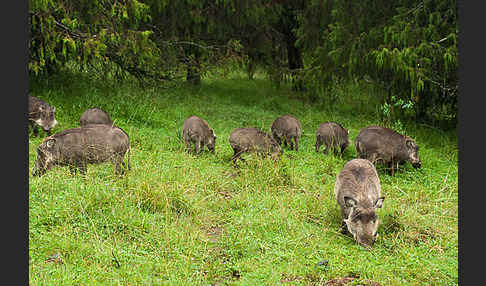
[409,48]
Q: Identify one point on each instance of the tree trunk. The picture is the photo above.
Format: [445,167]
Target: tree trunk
[288,23]
[294,57]
[421,109]
[194,68]
[194,74]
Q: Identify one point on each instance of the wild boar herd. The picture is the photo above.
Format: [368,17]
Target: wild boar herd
[357,188]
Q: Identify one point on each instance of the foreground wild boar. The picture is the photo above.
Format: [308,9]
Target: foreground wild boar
[41,114]
[287,129]
[382,144]
[333,135]
[253,140]
[357,191]
[95,116]
[197,131]
[78,147]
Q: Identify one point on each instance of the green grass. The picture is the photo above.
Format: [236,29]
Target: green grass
[179,219]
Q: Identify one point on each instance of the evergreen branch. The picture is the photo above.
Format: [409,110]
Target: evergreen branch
[70,31]
[213,47]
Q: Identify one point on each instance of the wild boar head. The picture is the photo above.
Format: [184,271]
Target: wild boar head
[412,152]
[362,221]
[47,155]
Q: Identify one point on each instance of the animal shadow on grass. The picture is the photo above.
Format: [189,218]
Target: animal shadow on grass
[389,228]
[348,155]
[400,169]
[330,217]
[390,224]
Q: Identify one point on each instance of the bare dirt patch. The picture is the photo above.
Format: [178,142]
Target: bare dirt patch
[286,278]
[345,280]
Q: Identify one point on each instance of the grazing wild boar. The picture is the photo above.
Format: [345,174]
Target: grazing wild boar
[380,144]
[197,131]
[78,147]
[287,128]
[41,114]
[333,135]
[253,140]
[357,191]
[95,116]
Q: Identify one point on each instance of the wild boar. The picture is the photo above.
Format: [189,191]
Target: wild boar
[95,116]
[357,191]
[196,130]
[287,128]
[41,114]
[333,135]
[380,144]
[253,140]
[78,147]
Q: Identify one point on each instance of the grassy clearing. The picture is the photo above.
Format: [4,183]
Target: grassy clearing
[179,219]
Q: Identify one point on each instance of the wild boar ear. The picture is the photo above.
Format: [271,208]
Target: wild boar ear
[53,109]
[50,143]
[379,202]
[350,202]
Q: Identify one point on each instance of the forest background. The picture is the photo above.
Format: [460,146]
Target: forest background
[406,48]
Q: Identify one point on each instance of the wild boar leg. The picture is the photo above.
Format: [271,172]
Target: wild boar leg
[73,169]
[296,143]
[344,228]
[391,166]
[235,156]
[196,147]
[188,146]
[117,162]
[275,136]
[83,168]
[317,145]
[335,147]
[125,166]
[35,130]
[291,143]
[371,158]
[326,151]
[342,150]
[78,167]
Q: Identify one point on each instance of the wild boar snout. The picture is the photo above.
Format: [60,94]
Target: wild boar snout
[38,172]
[367,240]
[212,143]
[39,168]
[415,160]
[363,231]
[211,147]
